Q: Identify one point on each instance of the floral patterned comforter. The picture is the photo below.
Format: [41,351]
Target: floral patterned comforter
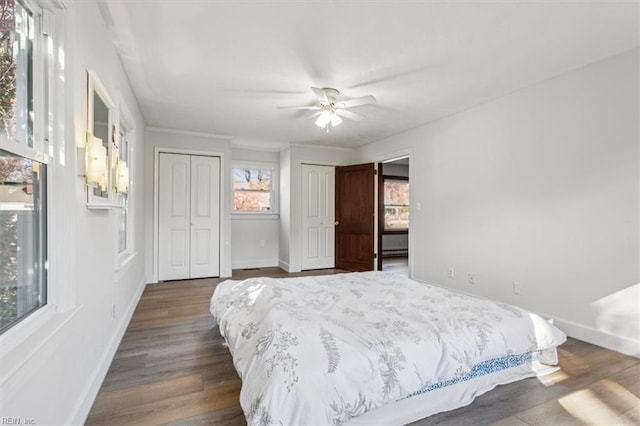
[322,350]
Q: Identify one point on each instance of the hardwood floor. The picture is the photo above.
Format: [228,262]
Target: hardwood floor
[172,366]
[398,265]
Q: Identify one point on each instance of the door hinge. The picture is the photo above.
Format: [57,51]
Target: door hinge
[375,172]
[375,255]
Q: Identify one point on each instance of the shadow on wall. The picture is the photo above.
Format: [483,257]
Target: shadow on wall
[619,314]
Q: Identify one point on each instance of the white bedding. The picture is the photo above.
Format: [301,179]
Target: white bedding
[325,349]
[448,398]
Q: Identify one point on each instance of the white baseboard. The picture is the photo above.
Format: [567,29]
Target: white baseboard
[260,263]
[606,340]
[80,412]
[283,265]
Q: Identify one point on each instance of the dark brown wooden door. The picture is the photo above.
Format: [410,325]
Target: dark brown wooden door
[380,213]
[354,217]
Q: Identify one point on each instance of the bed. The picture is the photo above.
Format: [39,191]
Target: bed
[371,347]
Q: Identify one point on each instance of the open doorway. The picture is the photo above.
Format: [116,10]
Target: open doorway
[393,215]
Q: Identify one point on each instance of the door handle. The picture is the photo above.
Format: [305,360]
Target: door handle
[336,223]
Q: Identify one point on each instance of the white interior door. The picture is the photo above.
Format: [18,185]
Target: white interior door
[205,216]
[188,216]
[318,191]
[174,216]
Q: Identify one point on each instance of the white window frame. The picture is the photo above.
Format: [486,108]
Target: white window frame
[275,186]
[45,138]
[126,125]
[401,179]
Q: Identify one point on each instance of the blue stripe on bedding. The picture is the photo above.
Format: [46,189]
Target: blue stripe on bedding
[482,369]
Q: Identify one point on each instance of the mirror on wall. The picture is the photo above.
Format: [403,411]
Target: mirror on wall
[101,148]
[101,131]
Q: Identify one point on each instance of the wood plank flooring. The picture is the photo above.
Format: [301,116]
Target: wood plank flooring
[398,265]
[172,367]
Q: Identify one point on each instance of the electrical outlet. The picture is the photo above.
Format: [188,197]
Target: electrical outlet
[451,273]
[517,287]
[261,243]
[471,278]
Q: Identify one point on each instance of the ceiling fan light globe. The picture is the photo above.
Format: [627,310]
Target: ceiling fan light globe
[335,120]
[323,120]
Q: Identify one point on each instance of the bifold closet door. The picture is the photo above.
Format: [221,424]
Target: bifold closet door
[188,216]
[205,217]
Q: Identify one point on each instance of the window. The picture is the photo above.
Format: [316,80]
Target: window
[123,197]
[23,166]
[16,68]
[254,188]
[396,204]
[23,241]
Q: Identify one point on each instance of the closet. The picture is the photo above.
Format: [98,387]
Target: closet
[318,228]
[188,216]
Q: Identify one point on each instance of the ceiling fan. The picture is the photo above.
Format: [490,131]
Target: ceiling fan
[330,109]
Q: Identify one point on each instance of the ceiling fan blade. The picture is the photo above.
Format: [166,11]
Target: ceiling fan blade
[348,114]
[298,107]
[321,95]
[364,100]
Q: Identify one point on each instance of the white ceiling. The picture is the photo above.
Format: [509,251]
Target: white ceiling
[222,67]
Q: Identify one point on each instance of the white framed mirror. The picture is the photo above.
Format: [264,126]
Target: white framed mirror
[101,147]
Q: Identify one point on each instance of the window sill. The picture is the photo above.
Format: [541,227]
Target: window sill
[255,216]
[123,261]
[40,327]
[103,206]
[395,231]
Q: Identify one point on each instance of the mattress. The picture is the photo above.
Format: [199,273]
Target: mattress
[330,349]
[449,397]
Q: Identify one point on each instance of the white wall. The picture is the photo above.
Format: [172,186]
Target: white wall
[158,139]
[395,242]
[291,161]
[248,231]
[539,187]
[53,362]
